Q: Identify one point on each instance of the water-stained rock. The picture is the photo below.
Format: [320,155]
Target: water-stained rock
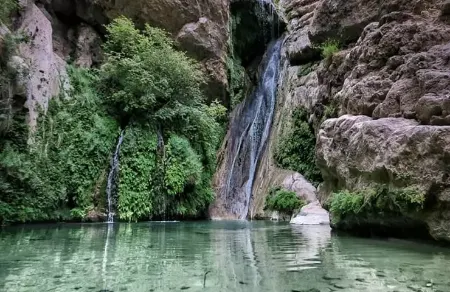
[88,47]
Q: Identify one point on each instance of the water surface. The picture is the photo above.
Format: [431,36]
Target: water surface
[234,256]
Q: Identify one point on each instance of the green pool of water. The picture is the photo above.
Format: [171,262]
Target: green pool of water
[213,256]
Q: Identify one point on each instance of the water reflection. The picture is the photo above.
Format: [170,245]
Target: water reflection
[212,256]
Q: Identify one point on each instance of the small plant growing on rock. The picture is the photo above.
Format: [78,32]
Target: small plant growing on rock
[329,48]
[283,201]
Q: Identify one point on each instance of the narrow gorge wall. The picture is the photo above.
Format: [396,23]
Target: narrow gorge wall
[389,87]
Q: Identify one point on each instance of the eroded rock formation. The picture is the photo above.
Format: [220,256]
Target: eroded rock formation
[389,85]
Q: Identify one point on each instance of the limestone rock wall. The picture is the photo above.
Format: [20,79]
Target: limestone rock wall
[389,87]
[42,71]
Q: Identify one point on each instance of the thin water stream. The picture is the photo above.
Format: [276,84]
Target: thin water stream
[111,187]
[213,256]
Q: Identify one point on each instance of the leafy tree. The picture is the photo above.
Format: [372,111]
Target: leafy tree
[144,78]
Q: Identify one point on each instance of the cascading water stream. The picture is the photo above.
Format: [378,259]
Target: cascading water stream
[111,184]
[249,132]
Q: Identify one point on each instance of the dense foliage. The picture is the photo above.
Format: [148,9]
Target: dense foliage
[145,78]
[62,170]
[170,157]
[296,149]
[168,153]
[187,190]
[6,8]
[376,201]
[283,201]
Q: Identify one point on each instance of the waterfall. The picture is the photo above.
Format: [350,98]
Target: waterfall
[111,186]
[247,136]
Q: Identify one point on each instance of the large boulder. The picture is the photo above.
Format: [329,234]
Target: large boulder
[298,15]
[312,214]
[357,152]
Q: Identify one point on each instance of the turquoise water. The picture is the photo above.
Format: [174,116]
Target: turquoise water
[213,256]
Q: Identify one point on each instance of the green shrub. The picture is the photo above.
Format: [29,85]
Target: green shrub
[6,9]
[145,78]
[376,201]
[329,48]
[283,201]
[296,149]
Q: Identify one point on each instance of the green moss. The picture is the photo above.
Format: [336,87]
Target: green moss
[237,80]
[329,48]
[296,149]
[283,201]
[376,202]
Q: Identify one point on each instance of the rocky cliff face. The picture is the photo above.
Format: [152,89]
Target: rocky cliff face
[63,30]
[389,85]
